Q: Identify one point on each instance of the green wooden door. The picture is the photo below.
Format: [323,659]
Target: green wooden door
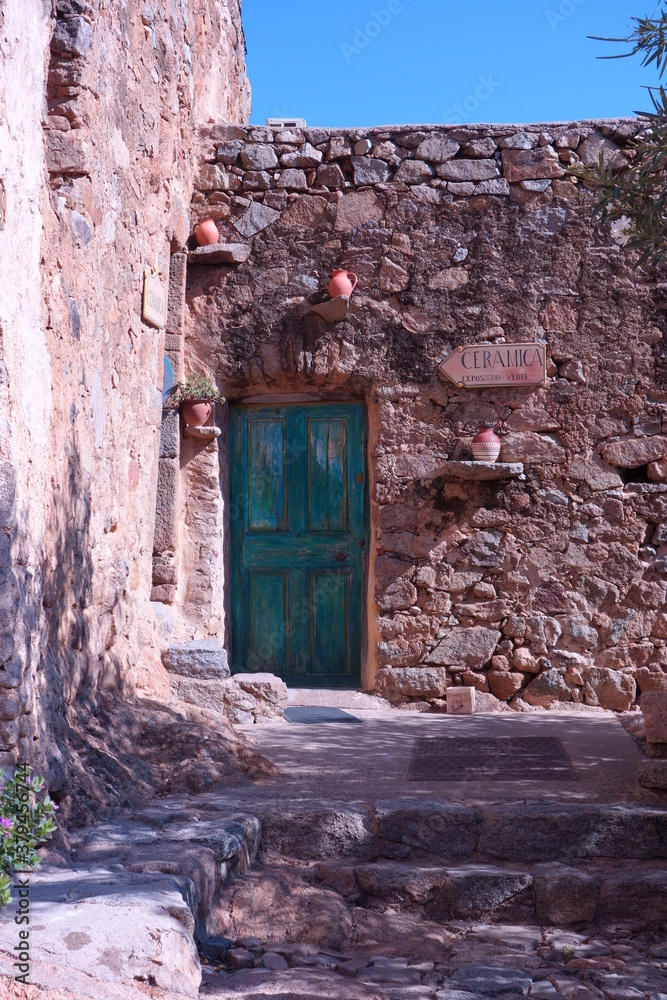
[298,529]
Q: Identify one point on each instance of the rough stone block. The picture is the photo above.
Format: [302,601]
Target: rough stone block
[396,683]
[170,434]
[178,269]
[206,693]
[496,185]
[654,710]
[393,277]
[205,659]
[212,178]
[369,171]
[165,569]
[7,494]
[653,774]
[527,832]
[474,890]
[257,218]
[9,735]
[637,897]
[564,895]
[164,593]
[166,506]
[629,453]
[446,829]
[485,979]
[268,691]
[414,172]
[293,180]
[437,149]
[257,156]
[333,310]
[470,646]
[66,153]
[141,931]
[611,688]
[71,38]
[530,164]
[306,157]
[504,684]
[548,687]
[532,449]
[307,212]
[316,831]
[468,170]
[358,208]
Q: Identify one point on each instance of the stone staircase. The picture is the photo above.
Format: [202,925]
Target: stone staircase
[386,893]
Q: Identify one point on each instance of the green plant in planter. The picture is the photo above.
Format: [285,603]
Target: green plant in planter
[196,386]
[26,820]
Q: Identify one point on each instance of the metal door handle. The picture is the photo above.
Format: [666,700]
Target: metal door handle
[341,556]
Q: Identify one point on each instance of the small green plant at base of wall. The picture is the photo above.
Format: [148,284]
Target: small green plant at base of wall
[26,820]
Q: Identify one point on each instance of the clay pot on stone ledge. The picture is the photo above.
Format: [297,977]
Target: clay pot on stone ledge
[486,445]
[340,283]
[207,233]
[196,412]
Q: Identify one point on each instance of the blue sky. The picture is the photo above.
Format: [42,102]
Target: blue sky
[359,62]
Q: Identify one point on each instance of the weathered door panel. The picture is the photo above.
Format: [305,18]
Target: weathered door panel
[298,541]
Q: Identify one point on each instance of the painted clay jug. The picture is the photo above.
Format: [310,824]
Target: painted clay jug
[207,233]
[340,283]
[486,445]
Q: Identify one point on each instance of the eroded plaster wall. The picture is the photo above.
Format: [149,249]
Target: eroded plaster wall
[543,589]
[100,103]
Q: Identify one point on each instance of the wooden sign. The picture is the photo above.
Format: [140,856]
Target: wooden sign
[482,366]
[154,308]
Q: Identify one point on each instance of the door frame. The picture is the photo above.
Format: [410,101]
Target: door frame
[368,625]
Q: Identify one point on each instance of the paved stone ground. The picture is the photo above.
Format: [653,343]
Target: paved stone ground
[344,761]
[476,961]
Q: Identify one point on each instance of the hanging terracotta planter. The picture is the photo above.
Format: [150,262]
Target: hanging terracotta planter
[486,445]
[340,283]
[207,233]
[196,412]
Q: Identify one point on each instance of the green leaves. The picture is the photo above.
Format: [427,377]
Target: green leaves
[197,386]
[26,820]
[638,193]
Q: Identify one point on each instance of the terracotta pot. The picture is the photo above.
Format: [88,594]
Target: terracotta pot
[207,233]
[486,445]
[195,412]
[340,284]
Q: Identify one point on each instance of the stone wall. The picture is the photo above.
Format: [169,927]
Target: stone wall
[100,103]
[544,588]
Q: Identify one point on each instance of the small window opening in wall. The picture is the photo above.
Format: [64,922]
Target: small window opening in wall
[638,475]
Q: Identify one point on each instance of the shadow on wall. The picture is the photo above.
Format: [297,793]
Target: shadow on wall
[100,749]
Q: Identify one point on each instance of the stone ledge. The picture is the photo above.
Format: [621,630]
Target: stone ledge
[203,433]
[333,310]
[220,253]
[479,471]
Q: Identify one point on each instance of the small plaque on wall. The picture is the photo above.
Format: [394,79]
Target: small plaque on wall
[484,366]
[154,306]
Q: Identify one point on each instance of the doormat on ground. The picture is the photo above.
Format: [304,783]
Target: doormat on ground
[312,716]
[507,758]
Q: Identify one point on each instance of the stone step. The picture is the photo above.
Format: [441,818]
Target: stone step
[403,829]
[552,894]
